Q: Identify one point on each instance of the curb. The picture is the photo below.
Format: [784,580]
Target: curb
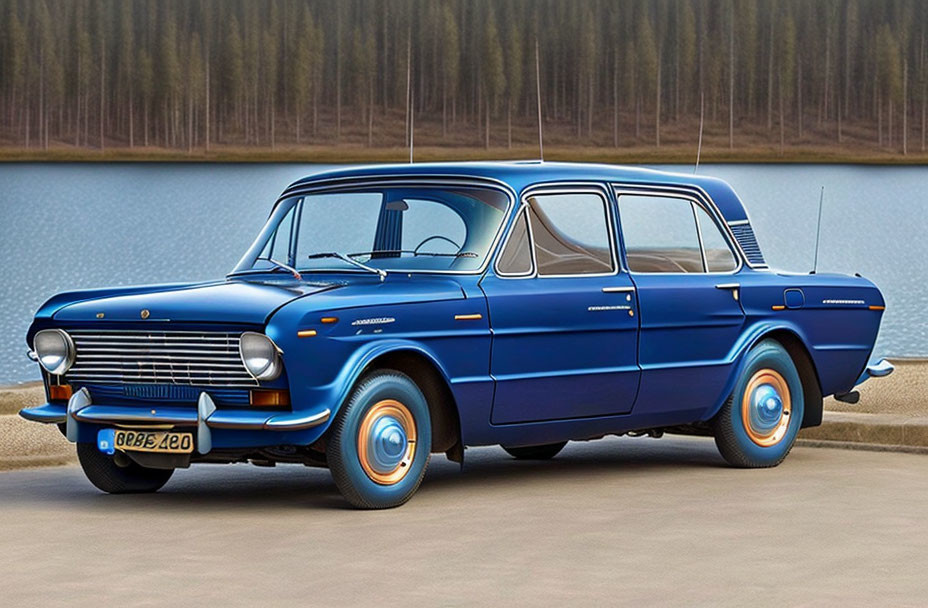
[27,444]
[883,432]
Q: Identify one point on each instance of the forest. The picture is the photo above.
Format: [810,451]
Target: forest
[194,76]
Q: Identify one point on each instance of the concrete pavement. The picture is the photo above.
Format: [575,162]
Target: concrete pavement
[616,521]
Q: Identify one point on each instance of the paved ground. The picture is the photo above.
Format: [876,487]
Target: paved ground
[618,521]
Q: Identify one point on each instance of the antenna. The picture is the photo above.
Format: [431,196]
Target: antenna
[702,106]
[541,143]
[408,90]
[818,230]
[412,123]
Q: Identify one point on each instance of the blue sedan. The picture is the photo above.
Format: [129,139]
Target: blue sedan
[384,314]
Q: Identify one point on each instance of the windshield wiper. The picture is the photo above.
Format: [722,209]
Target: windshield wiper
[282,266]
[460,254]
[348,260]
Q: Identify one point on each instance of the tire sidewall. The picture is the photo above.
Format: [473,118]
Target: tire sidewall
[767,354]
[360,489]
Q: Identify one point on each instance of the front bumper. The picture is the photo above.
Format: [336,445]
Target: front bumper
[81,410]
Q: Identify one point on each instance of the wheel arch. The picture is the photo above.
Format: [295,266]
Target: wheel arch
[423,369]
[808,374]
[799,352]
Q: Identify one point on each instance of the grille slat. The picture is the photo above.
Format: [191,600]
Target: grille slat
[164,357]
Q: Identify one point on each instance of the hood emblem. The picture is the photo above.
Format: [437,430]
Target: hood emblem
[144,314]
[100,315]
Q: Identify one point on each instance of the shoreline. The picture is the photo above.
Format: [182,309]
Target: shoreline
[355,153]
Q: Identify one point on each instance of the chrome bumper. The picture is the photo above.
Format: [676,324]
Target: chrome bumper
[80,408]
[876,369]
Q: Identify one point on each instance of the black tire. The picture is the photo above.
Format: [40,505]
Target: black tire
[384,397]
[740,444]
[536,452]
[106,475]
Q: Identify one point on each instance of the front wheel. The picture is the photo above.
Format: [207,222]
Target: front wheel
[758,424]
[114,477]
[380,442]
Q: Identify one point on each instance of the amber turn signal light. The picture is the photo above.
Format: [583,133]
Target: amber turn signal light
[59,392]
[270,398]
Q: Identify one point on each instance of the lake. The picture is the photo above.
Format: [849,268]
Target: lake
[68,226]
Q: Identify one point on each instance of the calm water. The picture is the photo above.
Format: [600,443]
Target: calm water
[73,226]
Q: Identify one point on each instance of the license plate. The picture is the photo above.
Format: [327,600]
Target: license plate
[164,442]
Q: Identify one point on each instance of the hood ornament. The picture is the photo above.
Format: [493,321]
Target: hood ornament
[144,314]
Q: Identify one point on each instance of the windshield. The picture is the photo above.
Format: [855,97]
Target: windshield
[380,229]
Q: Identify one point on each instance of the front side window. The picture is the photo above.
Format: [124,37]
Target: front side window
[665,234]
[393,229]
[570,234]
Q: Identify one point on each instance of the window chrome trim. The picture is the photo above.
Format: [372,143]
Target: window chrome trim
[348,184]
[561,188]
[683,194]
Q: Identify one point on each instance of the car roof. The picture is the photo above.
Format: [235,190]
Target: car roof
[520,175]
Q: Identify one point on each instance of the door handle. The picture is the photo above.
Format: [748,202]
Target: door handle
[734,287]
[618,289]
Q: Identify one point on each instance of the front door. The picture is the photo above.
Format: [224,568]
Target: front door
[686,274]
[563,317]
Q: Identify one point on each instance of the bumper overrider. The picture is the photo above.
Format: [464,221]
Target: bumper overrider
[81,409]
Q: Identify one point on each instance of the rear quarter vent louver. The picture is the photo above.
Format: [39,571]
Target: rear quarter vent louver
[745,235]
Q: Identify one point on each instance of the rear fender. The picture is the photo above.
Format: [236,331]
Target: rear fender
[753,335]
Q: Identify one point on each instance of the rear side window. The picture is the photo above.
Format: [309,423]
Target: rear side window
[665,234]
[570,234]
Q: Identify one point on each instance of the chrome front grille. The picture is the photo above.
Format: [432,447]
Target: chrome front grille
[158,357]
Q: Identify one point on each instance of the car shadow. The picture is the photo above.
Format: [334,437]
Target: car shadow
[244,487]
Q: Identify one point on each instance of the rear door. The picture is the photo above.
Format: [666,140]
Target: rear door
[685,270]
[562,314]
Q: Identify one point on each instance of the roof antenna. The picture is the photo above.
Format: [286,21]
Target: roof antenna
[412,123]
[409,103]
[818,230]
[541,143]
[702,106]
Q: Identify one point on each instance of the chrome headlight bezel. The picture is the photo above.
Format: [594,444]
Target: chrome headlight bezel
[263,363]
[55,363]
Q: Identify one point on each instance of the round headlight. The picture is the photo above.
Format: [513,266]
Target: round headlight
[260,355]
[55,350]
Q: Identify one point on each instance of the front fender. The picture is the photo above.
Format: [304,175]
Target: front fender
[367,353]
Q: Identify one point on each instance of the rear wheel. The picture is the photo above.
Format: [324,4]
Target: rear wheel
[536,452]
[758,424]
[114,477]
[380,442]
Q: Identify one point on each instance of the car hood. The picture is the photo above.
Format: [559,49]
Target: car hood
[232,301]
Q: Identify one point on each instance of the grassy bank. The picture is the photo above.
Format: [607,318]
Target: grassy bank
[354,153]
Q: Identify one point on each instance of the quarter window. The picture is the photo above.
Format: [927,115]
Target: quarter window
[672,235]
[570,234]
[516,257]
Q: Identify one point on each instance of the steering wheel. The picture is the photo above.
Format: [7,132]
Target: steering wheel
[432,238]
